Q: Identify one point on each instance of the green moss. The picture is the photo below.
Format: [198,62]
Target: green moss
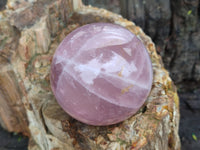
[189,12]
[19,139]
[3,42]
[45,83]
[30,66]
[194,137]
[121,142]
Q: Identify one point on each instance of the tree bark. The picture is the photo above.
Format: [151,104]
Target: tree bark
[30,34]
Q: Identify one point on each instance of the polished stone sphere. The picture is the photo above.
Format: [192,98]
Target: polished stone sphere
[101,74]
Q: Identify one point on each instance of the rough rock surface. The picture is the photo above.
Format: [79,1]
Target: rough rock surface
[112,5]
[155,126]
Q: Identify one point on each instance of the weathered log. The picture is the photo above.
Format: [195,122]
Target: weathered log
[29,36]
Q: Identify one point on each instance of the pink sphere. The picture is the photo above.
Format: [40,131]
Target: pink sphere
[101,74]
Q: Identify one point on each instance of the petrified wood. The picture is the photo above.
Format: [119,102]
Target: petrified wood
[30,32]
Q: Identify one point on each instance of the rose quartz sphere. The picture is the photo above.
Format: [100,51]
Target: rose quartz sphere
[101,74]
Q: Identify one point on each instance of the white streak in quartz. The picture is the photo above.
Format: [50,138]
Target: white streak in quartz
[77,35]
[60,59]
[87,73]
[131,82]
[91,70]
[128,51]
[66,62]
[139,38]
[90,90]
[123,79]
[112,101]
[110,38]
[117,63]
[96,29]
[74,77]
